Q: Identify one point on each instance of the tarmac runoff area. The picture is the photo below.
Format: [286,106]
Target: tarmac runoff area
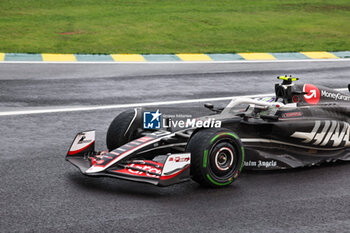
[41,192]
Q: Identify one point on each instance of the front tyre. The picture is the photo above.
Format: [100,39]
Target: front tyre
[123,129]
[217,157]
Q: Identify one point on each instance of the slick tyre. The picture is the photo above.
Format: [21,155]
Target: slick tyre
[124,128]
[217,157]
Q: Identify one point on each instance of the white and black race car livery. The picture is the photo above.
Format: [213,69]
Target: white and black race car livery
[302,125]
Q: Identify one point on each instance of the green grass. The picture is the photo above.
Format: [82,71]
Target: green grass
[164,26]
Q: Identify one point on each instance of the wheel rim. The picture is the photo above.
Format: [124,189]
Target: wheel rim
[224,158]
[223,161]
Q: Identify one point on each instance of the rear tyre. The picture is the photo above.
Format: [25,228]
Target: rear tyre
[123,129]
[217,157]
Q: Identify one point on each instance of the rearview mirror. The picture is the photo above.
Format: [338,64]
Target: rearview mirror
[209,106]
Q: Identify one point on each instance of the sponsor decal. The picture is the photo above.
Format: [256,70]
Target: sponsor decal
[260,163]
[292,114]
[326,133]
[336,96]
[152,120]
[141,170]
[145,168]
[178,159]
[313,96]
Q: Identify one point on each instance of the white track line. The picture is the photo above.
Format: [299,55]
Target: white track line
[117,106]
[174,62]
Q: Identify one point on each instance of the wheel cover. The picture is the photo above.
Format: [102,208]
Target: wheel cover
[222,160]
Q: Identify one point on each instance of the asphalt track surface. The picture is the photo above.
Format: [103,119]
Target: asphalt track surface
[41,192]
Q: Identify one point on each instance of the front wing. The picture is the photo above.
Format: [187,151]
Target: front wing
[162,170]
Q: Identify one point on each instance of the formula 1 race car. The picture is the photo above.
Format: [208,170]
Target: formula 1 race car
[301,125]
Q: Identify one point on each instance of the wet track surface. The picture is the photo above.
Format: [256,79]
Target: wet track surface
[41,192]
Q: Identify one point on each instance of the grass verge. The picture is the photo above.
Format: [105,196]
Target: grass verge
[176,26]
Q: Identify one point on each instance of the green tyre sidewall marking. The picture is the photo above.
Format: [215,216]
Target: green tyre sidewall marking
[242,164]
[221,134]
[205,158]
[217,183]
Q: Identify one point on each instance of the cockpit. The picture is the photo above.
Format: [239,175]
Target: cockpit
[259,107]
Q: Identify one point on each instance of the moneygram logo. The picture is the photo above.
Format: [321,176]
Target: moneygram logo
[313,96]
[336,96]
